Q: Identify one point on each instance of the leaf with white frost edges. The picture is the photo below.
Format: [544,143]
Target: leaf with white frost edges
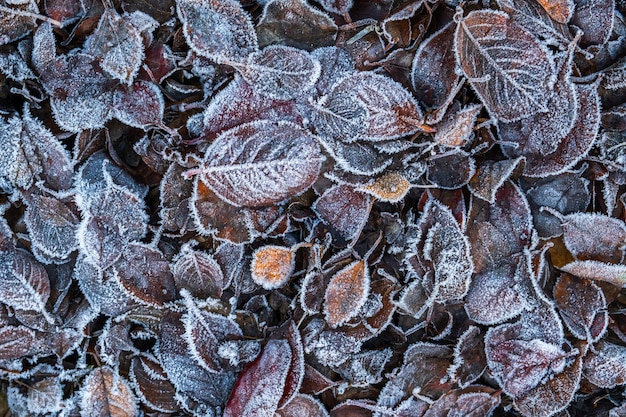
[140,105]
[346,293]
[52,227]
[118,45]
[260,386]
[197,272]
[303,405]
[344,209]
[598,271]
[535,19]
[24,283]
[340,116]
[511,71]
[152,385]
[204,332]
[218,30]
[280,72]
[104,393]
[272,266]
[490,176]
[594,236]
[605,365]
[392,110]
[261,163]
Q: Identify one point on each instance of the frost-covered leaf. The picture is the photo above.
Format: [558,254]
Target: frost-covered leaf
[295,23]
[469,357]
[238,103]
[594,236]
[31,152]
[272,266]
[280,72]
[295,376]
[194,384]
[46,396]
[260,386]
[204,332]
[361,158]
[582,306]
[17,342]
[218,29]
[595,19]
[432,73]
[152,385]
[423,370]
[605,365]
[542,132]
[175,195]
[145,274]
[598,271]
[575,145]
[489,177]
[100,243]
[81,96]
[340,116]
[198,273]
[534,18]
[391,187]
[24,282]
[392,110]
[335,64]
[456,128]
[118,45]
[520,365]
[449,251]
[104,393]
[553,395]
[507,66]
[16,25]
[14,66]
[364,368]
[346,293]
[500,291]
[474,401]
[139,105]
[261,163]
[344,209]
[52,227]
[303,405]
[212,215]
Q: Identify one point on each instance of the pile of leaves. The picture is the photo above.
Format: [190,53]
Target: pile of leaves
[335,208]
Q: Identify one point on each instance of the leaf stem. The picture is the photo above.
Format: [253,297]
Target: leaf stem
[37,16]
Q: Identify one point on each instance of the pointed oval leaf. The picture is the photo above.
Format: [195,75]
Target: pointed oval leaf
[217,29]
[118,44]
[605,366]
[344,209]
[105,394]
[199,273]
[260,386]
[392,110]
[281,72]
[261,163]
[152,385]
[139,105]
[346,293]
[391,187]
[594,236]
[507,66]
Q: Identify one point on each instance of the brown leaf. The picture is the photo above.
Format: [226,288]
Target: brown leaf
[346,293]
[104,393]
[272,266]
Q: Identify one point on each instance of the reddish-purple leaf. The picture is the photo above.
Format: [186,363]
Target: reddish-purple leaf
[595,19]
[198,273]
[260,386]
[344,209]
[582,306]
[605,365]
[594,236]
[139,105]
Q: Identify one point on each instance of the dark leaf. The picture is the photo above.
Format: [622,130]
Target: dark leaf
[490,176]
[198,273]
[344,209]
[595,18]
[145,274]
[450,170]
[534,18]
[152,385]
[295,23]
[433,75]
[594,236]
[604,366]
[139,105]
[303,405]
[469,357]
[582,306]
